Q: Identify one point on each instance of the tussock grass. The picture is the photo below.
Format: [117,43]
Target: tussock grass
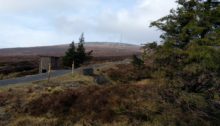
[140,102]
[33,121]
[133,104]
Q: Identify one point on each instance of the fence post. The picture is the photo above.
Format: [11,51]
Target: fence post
[73,68]
[49,72]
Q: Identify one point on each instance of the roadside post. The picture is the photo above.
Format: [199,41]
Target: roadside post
[73,68]
[49,72]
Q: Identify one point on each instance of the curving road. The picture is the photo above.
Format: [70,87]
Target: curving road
[33,78]
[55,73]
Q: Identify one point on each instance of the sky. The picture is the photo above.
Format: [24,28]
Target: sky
[25,23]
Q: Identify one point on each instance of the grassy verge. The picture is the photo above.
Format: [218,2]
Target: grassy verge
[77,100]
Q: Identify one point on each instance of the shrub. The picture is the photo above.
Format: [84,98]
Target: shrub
[58,103]
[137,62]
[3,99]
[127,73]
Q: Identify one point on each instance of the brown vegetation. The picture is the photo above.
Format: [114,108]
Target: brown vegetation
[129,104]
[11,68]
[100,49]
[128,74]
[17,62]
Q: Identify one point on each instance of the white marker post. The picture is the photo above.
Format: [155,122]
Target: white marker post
[49,71]
[73,68]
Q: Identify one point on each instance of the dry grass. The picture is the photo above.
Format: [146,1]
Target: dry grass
[126,73]
[118,105]
[33,121]
[77,100]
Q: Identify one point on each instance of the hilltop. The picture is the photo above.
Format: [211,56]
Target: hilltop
[15,60]
[100,49]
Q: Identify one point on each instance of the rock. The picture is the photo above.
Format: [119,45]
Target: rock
[100,79]
[88,71]
[217,104]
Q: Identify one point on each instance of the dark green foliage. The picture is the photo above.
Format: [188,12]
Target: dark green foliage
[188,62]
[152,45]
[149,49]
[193,20]
[137,62]
[81,55]
[190,50]
[78,56]
[70,55]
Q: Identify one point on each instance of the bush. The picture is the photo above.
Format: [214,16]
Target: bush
[131,104]
[137,62]
[127,73]
[57,103]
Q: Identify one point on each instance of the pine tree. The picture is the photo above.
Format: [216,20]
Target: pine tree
[77,55]
[70,55]
[190,38]
[192,21]
[81,54]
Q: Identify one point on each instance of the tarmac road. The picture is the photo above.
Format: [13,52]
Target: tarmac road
[33,78]
[55,73]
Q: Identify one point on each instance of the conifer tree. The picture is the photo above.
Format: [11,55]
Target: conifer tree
[77,55]
[70,55]
[192,21]
[81,54]
[190,41]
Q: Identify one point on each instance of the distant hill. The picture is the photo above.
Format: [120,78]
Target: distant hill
[100,49]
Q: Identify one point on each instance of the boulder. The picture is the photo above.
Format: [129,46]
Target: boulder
[100,79]
[88,71]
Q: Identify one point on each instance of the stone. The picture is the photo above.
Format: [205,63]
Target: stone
[88,71]
[100,79]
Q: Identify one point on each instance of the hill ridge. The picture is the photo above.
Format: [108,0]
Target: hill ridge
[99,48]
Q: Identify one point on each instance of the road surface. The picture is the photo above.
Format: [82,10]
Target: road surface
[55,73]
[33,78]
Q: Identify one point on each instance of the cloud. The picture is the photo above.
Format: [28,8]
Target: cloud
[47,22]
[132,23]
[18,36]
[45,5]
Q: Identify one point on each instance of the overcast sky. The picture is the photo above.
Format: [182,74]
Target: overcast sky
[26,23]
